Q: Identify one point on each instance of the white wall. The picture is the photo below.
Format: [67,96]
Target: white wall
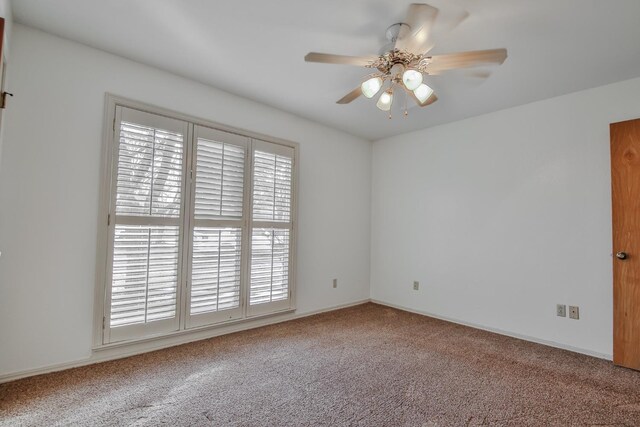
[49,181]
[502,216]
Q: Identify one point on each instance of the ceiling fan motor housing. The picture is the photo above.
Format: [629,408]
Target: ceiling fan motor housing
[392,34]
[394,30]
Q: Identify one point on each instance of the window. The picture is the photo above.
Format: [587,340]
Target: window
[271,226]
[200,225]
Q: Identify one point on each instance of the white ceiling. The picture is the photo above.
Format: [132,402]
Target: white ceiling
[255,49]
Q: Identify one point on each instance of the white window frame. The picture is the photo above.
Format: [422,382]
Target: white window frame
[185,323]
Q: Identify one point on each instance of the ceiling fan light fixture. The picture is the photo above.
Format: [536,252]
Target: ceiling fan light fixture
[405,62]
[423,92]
[371,87]
[385,100]
[412,79]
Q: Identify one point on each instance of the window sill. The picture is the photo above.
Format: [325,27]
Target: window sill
[229,327]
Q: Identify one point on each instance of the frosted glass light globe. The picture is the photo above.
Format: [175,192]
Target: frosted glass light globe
[412,79]
[371,87]
[423,92]
[384,103]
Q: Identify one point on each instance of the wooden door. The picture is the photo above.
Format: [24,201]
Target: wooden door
[625,192]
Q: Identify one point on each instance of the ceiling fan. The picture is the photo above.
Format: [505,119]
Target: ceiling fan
[404,65]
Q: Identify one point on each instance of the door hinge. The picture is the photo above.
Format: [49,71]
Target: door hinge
[114,124]
[191,174]
[104,322]
[108,220]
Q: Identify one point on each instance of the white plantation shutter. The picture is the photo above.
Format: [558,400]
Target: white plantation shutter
[215,277]
[272,226]
[148,177]
[272,175]
[149,171]
[200,225]
[218,227]
[145,274]
[269,265]
[219,178]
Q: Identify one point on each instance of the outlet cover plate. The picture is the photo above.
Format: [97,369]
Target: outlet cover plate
[416,285]
[574,312]
[335,283]
[561,310]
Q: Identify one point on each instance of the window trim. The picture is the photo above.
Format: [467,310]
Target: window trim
[102,259]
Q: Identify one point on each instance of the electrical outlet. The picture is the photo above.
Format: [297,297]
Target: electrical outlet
[574,312]
[416,285]
[335,283]
[561,310]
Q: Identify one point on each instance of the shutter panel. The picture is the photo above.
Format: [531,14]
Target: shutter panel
[272,187]
[135,170]
[145,270]
[130,262]
[149,179]
[269,265]
[219,180]
[215,275]
[162,272]
[272,227]
[147,231]
[217,234]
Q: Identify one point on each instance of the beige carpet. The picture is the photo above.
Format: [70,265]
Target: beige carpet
[367,366]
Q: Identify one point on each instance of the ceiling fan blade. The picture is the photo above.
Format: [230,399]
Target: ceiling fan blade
[350,96]
[430,100]
[416,38]
[328,58]
[452,22]
[438,63]
[479,74]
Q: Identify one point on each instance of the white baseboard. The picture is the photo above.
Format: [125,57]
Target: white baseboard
[144,347]
[500,331]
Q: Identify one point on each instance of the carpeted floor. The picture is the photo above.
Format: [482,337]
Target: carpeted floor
[367,366]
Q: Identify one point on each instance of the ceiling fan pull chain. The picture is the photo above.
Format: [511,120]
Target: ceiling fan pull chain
[391,90]
[406,113]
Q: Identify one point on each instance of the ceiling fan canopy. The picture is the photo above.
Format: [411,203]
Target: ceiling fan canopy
[407,61]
